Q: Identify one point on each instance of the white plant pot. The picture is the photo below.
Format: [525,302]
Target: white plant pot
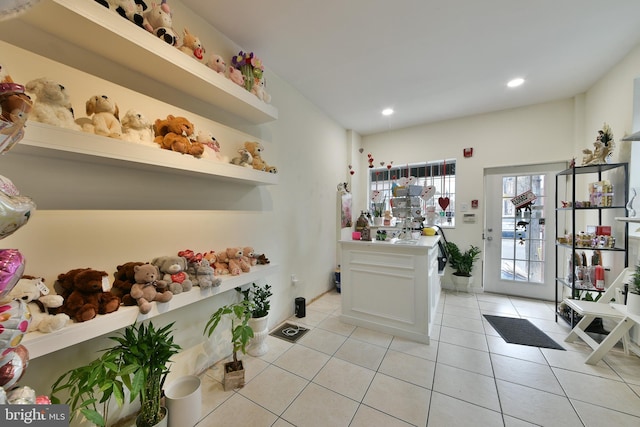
[258,344]
[184,401]
[633,303]
[462,283]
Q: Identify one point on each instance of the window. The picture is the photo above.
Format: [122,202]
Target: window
[439,209]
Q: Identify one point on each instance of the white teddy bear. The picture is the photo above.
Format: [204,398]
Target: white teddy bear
[258,90]
[105,118]
[52,104]
[35,293]
[137,128]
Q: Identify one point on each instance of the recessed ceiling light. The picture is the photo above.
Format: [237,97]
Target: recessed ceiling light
[515,82]
[387,111]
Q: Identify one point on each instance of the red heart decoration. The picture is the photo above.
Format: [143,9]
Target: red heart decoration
[443,202]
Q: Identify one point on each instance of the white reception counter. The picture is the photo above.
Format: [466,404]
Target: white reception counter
[391,286]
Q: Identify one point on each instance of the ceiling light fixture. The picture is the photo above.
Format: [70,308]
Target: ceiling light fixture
[387,111]
[515,82]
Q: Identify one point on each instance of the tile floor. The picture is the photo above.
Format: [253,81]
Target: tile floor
[341,375]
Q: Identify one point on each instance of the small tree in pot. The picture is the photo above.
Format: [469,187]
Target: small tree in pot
[462,262]
[259,297]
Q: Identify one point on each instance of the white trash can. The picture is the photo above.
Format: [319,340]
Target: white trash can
[184,401]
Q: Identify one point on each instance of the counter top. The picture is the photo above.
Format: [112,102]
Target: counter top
[422,242]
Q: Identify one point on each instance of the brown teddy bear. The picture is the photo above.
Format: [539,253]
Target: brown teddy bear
[249,255]
[146,287]
[88,298]
[236,266]
[255,148]
[177,134]
[123,280]
[217,260]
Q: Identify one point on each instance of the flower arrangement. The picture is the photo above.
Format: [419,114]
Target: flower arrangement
[251,67]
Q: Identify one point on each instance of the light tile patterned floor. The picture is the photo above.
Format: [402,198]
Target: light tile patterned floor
[341,375]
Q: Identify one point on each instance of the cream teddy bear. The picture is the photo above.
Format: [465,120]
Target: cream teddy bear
[35,293]
[105,118]
[137,128]
[52,105]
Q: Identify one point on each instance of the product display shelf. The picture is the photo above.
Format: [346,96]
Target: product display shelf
[51,141]
[40,344]
[569,282]
[93,27]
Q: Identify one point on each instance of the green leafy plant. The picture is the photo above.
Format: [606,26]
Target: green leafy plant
[462,262]
[137,363]
[239,313]
[259,296]
[378,208]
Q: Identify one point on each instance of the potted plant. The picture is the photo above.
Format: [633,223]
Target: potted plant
[149,349]
[137,363]
[462,263]
[378,212]
[239,314]
[259,298]
[633,294]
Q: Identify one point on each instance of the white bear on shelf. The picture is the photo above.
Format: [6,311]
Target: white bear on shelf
[33,291]
[104,114]
[137,128]
[52,104]
[208,140]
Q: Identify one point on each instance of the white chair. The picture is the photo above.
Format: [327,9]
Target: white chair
[589,310]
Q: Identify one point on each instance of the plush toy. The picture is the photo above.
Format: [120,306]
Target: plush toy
[123,281]
[236,76]
[255,149]
[235,261]
[52,104]
[250,255]
[217,64]
[158,21]
[129,9]
[193,260]
[15,105]
[192,46]
[146,287]
[137,128]
[205,275]
[35,293]
[244,159]
[64,284]
[258,90]
[220,262]
[88,298]
[173,270]
[206,139]
[175,133]
[262,259]
[105,118]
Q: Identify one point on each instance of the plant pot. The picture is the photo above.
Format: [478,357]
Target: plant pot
[258,344]
[633,303]
[377,221]
[184,401]
[233,378]
[164,422]
[462,283]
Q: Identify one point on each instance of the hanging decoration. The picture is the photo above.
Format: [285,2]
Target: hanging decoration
[370,157]
[351,171]
[443,200]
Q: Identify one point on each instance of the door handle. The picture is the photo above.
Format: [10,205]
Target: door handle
[489,238]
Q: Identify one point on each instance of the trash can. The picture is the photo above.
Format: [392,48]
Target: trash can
[184,401]
[301,309]
[336,278]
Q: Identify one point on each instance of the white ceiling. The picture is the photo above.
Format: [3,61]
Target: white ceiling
[428,60]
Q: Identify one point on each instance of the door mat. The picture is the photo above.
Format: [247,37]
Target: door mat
[289,332]
[521,331]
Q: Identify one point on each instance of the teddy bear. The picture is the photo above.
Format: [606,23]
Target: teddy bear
[236,76]
[217,64]
[244,159]
[208,140]
[146,287]
[192,262]
[250,255]
[262,259]
[64,284]
[258,90]
[158,21]
[192,46]
[52,104]
[88,298]
[123,281]
[129,9]
[219,261]
[105,118]
[35,293]
[255,148]
[205,275]
[175,133]
[15,105]
[173,270]
[137,128]
[236,266]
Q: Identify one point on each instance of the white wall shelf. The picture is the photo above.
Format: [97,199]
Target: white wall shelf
[91,26]
[51,141]
[40,344]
